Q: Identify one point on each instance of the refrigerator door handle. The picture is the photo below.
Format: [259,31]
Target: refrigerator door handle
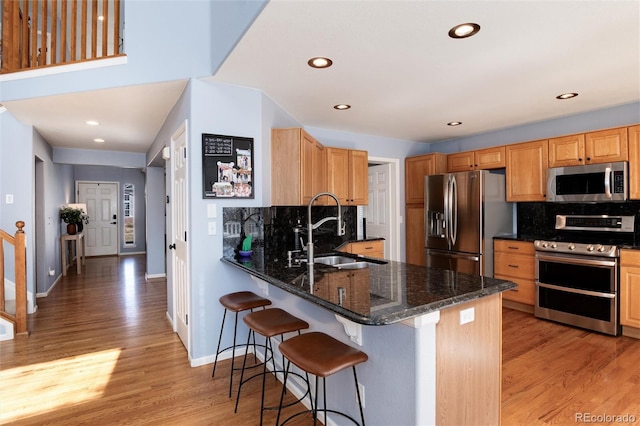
[455,255]
[454,211]
[446,214]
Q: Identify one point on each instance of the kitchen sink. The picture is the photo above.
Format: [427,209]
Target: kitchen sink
[343,262]
[334,260]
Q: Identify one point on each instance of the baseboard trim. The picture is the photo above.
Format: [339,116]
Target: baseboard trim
[631,332]
[522,307]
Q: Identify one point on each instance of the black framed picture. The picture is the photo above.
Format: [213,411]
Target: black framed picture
[227,166]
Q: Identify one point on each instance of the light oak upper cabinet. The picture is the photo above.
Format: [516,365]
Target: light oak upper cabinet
[604,146]
[298,167]
[483,159]
[415,169]
[347,176]
[634,162]
[526,171]
[630,288]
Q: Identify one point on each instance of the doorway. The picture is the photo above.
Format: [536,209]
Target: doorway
[383,211]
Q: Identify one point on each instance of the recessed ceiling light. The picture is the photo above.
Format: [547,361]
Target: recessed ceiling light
[320,62]
[99,140]
[92,123]
[342,107]
[464,30]
[454,123]
[566,96]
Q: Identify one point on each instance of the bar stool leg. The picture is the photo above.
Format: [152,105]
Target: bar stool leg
[355,380]
[215,362]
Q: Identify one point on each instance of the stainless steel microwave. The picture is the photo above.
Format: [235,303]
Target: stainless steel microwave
[592,183]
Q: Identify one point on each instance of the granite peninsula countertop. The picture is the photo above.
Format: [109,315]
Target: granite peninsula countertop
[380,294]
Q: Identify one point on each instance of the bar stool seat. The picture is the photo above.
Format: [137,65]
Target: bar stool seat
[321,355]
[269,323]
[237,302]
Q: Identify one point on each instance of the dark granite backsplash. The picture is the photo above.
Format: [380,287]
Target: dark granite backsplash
[538,219]
[273,228]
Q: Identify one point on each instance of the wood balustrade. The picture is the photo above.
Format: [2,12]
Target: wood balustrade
[19,318]
[43,33]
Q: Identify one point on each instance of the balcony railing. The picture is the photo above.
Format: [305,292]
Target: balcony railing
[44,33]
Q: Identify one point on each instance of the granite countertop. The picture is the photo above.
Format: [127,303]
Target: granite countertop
[382,293]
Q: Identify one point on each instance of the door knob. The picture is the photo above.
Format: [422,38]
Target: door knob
[172,246]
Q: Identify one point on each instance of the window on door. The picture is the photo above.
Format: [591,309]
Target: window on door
[128,198]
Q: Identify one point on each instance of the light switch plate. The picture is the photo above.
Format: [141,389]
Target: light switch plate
[9,198]
[212,212]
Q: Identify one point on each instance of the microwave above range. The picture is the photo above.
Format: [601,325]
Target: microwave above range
[592,183]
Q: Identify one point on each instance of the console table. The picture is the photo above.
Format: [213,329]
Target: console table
[79,240]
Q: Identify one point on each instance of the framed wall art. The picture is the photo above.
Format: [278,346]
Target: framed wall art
[227,166]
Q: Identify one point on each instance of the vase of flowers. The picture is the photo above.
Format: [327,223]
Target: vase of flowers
[74,218]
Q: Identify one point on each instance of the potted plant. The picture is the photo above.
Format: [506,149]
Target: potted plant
[74,218]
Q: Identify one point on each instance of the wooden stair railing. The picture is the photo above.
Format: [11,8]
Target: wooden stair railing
[44,33]
[19,319]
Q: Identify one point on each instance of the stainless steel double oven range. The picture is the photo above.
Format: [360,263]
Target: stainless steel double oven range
[577,272]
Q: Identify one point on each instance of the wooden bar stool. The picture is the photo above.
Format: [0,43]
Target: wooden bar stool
[269,323]
[321,355]
[237,302]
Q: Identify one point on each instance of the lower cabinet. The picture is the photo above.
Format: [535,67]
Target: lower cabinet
[515,261]
[373,249]
[630,288]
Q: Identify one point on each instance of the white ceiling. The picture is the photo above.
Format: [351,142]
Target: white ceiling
[394,63]
[405,78]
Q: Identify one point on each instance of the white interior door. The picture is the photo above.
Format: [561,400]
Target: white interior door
[378,211]
[101,233]
[180,254]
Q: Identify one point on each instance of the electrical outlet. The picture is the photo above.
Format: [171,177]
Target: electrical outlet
[467,315]
[212,228]
[361,389]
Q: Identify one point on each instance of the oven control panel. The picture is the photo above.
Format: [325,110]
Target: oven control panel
[577,248]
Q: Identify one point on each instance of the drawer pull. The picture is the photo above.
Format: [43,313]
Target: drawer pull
[369,248]
[514,266]
[514,248]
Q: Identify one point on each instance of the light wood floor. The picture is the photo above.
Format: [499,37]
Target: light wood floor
[101,351]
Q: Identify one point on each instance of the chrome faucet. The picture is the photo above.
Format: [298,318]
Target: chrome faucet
[311,226]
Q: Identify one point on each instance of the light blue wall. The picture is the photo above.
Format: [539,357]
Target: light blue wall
[96,157]
[57,180]
[155,221]
[609,117]
[16,178]
[122,176]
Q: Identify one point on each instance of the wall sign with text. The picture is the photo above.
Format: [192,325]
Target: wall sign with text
[227,166]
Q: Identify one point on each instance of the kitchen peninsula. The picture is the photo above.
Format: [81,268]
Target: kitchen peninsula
[433,336]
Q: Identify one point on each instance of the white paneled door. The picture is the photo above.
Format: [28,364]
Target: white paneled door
[180,255]
[101,233]
[379,209]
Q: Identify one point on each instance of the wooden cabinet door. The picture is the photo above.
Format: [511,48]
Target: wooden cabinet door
[490,158]
[634,162]
[461,161]
[630,288]
[566,151]
[338,173]
[286,167]
[358,178]
[606,146]
[526,171]
[414,218]
[313,171]
[415,169]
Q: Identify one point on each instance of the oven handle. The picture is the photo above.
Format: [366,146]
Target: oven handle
[577,291]
[576,260]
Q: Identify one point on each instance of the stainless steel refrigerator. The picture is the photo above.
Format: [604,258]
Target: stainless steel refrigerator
[463,212]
